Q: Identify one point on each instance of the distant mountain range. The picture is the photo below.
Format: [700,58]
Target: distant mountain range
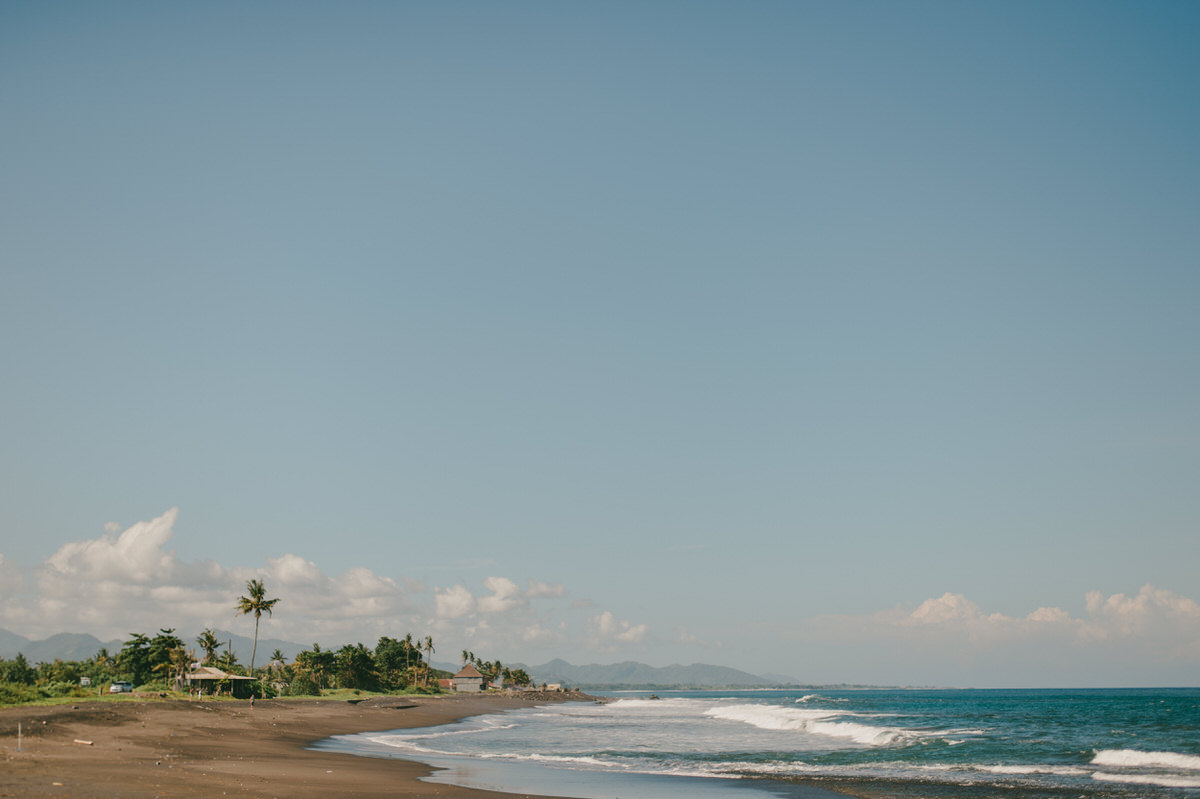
[64,646]
[81,646]
[630,674]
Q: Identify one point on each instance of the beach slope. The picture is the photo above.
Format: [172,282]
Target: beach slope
[208,749]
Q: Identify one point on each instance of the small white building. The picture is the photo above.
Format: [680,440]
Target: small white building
[469,680]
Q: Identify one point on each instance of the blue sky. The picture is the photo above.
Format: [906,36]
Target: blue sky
[732,333]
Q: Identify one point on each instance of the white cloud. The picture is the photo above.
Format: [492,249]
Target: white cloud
[506,595]
[539,635]
[115,584]
[1148,631]
[1153,610]
[539,590]
[294,571]
[135,556]
[454,602]
[948,607]
[1049,616]
[607,630]
[130,580]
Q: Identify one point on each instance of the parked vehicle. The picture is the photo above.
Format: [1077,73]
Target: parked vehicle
[121,687]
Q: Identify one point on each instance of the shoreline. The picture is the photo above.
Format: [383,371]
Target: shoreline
[203,748]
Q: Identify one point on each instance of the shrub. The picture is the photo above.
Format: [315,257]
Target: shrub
[304,685]
[54,690]
[12,693]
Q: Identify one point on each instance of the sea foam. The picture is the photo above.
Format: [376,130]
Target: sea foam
[1161,780]
[1062,771]
[819,722]
[1133,758]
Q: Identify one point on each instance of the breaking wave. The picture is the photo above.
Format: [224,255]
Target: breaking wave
[1161,780]
[1133,758]
[818,722]
[817,698]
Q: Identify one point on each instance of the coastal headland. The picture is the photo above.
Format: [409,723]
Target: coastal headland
[196,748]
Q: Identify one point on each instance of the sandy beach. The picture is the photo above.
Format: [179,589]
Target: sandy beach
[194,748]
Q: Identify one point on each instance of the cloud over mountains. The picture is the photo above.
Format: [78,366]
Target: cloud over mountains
[131,580]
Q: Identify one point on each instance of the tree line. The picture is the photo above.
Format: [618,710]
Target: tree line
[160,663]
[494,670]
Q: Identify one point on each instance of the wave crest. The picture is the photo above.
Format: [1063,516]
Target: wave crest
[819,722]
[1161,780]
[1133,758]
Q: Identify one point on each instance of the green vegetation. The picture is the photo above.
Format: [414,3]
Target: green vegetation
[256,603]
[151,664]
[159,664]
[209,644]
[495,671]
[393,666]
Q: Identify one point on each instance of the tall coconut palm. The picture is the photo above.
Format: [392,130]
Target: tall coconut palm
[428,647]
[256,603]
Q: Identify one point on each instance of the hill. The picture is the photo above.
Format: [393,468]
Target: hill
[631,674]
[81,646]
[63,646]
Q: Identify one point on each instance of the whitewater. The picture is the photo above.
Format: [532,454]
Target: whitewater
[1092,743]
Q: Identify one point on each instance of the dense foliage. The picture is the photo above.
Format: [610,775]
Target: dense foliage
[160,664]
[393,665]
[156,664]
[494,672]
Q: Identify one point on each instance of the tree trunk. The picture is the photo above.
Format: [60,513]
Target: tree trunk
[254,649]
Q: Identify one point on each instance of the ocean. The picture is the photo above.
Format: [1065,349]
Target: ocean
[803,743]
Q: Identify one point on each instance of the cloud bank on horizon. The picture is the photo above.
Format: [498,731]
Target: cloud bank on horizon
[131,581]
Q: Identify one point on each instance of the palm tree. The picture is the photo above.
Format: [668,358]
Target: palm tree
[209,643]
[428,647]
[179,664]
[256,603]
[229,660]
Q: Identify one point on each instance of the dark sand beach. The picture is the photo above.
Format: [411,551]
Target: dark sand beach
[185,748]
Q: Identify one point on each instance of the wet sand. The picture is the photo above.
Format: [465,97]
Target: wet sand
[196,748]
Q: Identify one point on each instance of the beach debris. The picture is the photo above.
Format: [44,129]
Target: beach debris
[81,741]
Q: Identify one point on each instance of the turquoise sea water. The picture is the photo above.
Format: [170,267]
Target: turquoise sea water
[1018,743]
